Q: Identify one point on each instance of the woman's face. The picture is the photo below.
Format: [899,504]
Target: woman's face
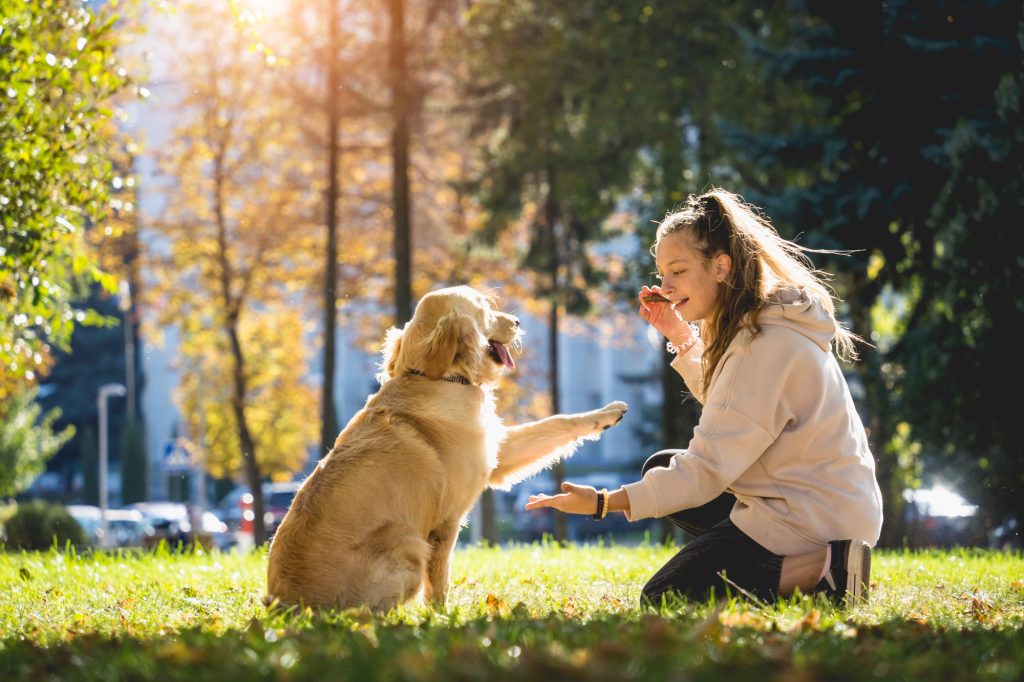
[686,278]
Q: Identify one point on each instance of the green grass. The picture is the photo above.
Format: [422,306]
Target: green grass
[527,612]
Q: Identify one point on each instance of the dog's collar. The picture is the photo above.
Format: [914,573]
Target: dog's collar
[454,378]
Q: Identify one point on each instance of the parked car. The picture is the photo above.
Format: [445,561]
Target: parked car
[939,517]
[88,517]
[126,527]
[173,522]
[236,507]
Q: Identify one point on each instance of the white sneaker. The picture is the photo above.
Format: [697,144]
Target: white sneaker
[849,575]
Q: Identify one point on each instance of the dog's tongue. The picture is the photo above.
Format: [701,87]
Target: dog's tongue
[502,352]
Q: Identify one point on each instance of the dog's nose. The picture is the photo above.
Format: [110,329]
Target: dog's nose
[515,321]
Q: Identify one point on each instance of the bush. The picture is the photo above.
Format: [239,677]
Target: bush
[36,524]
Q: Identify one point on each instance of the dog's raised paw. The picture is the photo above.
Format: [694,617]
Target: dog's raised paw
[613,411]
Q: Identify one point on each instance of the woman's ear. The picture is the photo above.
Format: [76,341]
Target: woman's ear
[723,266]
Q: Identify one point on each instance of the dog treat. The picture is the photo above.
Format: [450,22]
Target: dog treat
[654,297]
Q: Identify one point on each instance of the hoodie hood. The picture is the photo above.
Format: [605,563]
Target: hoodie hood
[793,307]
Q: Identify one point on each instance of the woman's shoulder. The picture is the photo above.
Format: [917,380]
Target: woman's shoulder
[793,316]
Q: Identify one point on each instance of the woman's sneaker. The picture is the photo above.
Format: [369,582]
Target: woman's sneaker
[849,575]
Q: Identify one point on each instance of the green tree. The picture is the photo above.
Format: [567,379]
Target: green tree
[27,441]
[557,150]
[229,272]
[94,357]
[60,72]
[959,340]
[596,107]
[893,80]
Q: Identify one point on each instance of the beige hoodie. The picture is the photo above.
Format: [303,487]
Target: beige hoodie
[779,430]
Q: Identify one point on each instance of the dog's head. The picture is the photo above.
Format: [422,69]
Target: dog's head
[454,331]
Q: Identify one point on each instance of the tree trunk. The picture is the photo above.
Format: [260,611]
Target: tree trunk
[560,527]
[134,463]
[400,166]
[489,517]
[252,469]
[233,307]
[329,417]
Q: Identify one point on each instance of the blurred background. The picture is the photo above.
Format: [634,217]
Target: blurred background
[211,212]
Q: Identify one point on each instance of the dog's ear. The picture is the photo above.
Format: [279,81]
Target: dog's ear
[442,345]
[392,350]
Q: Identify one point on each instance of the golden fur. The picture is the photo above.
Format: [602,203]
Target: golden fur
[376,523]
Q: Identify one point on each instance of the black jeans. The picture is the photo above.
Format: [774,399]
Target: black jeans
[717,549]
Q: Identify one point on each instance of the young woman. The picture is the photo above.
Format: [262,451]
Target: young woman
[777,485]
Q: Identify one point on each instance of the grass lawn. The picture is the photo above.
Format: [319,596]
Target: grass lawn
[538,611]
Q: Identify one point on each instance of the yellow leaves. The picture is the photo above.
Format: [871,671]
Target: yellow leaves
[749,619]
[496,606]
[278,402]
[978,608]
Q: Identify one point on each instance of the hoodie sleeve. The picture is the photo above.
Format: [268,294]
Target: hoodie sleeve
[690,367]
[742,417]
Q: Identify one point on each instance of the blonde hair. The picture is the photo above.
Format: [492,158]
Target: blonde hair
[762,261]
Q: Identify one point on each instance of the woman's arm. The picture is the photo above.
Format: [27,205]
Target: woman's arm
[660,313]
[579,499]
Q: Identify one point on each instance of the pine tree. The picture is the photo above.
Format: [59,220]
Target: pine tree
[893,80]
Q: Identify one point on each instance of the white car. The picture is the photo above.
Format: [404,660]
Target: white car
[126,527]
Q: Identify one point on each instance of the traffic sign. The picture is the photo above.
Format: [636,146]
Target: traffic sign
[177,456]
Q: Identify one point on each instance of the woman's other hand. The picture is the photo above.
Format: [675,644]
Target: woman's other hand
[663,316]
[575,499]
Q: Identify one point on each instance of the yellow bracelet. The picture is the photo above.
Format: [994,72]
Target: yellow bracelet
[604,503]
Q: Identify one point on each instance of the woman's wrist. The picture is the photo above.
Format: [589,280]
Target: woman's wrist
[618,501]
[682,347]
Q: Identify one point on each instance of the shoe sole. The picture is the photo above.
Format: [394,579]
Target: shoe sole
[858,572]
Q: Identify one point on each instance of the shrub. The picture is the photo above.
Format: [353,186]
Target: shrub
[37,524]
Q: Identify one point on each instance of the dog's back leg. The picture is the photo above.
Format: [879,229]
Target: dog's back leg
[442,543]
[397,561]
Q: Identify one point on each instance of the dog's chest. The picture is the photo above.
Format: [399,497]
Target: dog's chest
[466,461]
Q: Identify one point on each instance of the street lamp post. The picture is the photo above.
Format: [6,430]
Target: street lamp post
[106,390]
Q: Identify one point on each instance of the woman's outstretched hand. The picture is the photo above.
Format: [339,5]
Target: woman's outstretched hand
[663,316]
[575,499]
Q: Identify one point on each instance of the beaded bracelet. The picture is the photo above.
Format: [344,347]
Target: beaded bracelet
[675,350]
[602,504]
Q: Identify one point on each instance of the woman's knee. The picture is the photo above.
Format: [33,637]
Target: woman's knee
[659,459]
[657,595]
[653,596]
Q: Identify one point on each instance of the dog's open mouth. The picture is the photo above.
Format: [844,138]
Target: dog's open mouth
[500,354]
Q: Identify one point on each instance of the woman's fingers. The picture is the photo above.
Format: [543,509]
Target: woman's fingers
[574,499]
[542,500]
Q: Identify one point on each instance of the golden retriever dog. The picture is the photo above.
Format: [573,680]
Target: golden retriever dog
[376,522]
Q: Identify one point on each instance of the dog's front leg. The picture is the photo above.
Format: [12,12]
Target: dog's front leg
[442,544]
[528,448]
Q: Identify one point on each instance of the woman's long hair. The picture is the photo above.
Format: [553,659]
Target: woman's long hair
[721,222]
